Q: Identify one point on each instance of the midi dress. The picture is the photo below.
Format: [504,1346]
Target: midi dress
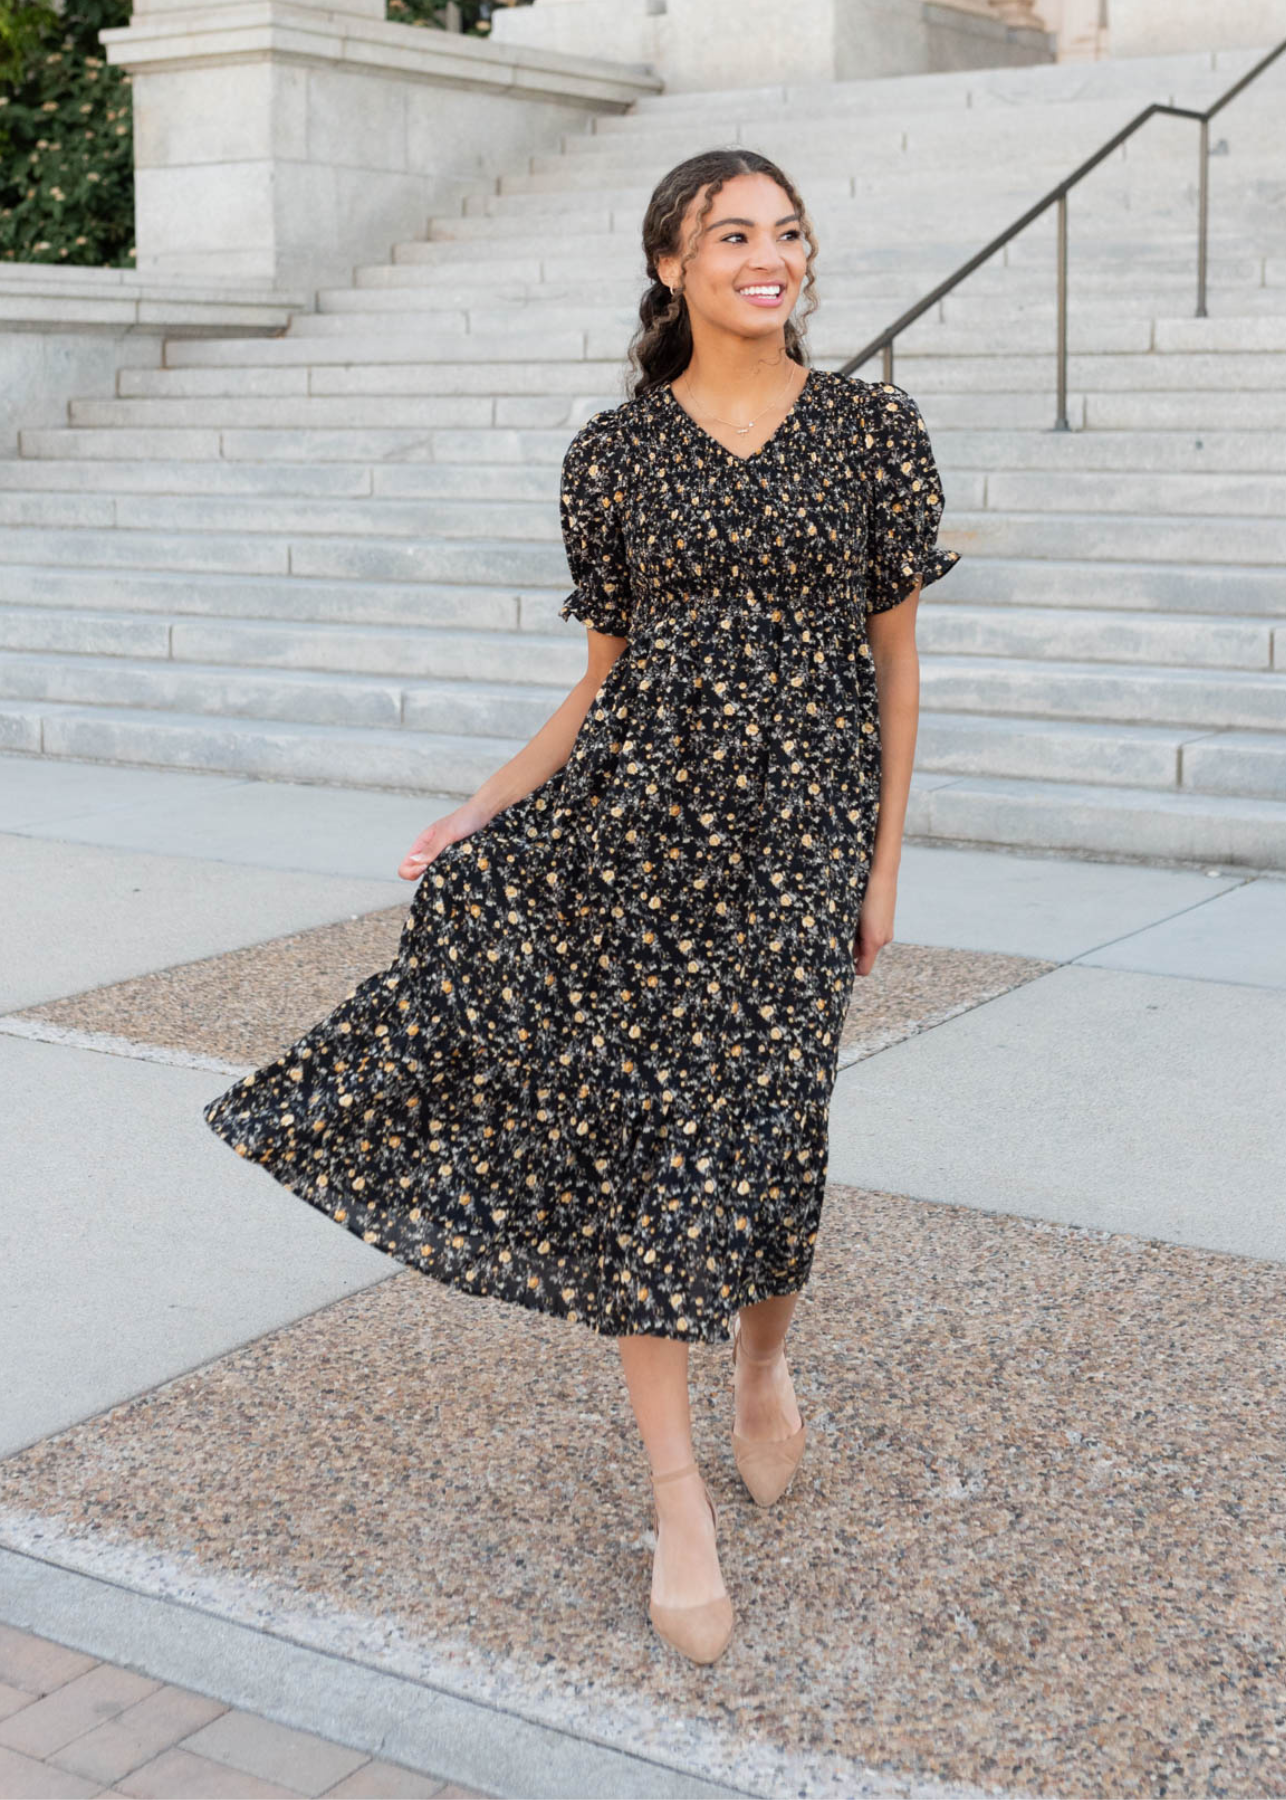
[595,1080]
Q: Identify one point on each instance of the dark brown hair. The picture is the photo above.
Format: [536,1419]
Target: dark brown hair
[662,344]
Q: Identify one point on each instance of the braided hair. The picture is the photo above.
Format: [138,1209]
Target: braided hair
[662,344]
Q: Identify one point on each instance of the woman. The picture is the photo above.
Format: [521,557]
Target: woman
[595,1081]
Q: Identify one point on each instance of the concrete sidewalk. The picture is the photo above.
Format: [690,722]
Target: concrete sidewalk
[1091,1048]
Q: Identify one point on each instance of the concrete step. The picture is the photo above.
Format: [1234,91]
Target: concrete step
[1083,818]
[1029,406]
[432,763]
[1135,824]
[509,480]
[359,559]
[487,659]
[1101,490]
[467,708]
[385,516]
[941,361]
[456,638]
[1117,584]
[313,462]
[1109,752]
[266,445]
[1143,694]
[1043,633]
[1090,537]
[478,606]
[1156,191]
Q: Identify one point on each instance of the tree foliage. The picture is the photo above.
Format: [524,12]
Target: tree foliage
[66,137]
[475,14]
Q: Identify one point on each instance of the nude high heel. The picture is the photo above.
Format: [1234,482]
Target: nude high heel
[699,1632]
[767,1467]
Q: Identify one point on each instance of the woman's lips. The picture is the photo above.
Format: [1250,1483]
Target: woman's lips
[763,299]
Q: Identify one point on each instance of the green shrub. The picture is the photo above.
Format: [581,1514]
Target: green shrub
[475,14]
[66,137]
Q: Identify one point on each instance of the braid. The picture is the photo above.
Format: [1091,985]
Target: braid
[662,344]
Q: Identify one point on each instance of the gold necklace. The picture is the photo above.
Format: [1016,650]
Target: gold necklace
[740,430]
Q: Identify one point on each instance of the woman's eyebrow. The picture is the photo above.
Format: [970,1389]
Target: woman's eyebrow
[720,222]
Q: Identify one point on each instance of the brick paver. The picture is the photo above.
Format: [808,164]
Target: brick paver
[275,1753]
[137,1735]
[71,1710]
[71,1725]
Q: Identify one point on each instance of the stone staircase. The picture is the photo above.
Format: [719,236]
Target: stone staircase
[333,555]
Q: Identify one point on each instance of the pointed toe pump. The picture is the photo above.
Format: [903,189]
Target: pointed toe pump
[700,1632]
[766,1466]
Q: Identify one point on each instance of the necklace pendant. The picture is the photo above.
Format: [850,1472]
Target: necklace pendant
[741,430]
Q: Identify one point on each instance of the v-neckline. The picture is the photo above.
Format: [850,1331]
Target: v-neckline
[768,441]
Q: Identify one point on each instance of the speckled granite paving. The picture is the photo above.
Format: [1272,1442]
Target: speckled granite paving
[247,1005]
[1037,1546]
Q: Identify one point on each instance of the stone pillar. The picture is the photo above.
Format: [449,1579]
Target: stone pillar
[280,142]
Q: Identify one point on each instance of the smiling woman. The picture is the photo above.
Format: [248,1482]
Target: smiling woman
[596,1080]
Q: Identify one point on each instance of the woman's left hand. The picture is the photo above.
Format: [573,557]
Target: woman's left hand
[875,921]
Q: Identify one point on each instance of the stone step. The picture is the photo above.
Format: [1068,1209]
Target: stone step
[1043,633]
[1236,762]
[1136,824]
[940,360]
[1164,190]
[1084,818]
[1117,584]
[1144,694]
[1236,269]
[480,607]
[432,763]
[470,599]
[450,516]
[1101,490]
[330,412]
[1029,406]
[1088,537]
[236,533]
[974,87]
[301,446]
[454,636]
[485,658]
[1110,752]
[373,559]
[466,708]
[507,480]
[384,461]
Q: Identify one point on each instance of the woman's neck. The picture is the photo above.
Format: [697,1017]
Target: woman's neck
[737,371]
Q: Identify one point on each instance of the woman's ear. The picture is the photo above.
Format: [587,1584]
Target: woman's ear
[667,270]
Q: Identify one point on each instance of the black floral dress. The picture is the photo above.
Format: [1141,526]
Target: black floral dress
[596,1078]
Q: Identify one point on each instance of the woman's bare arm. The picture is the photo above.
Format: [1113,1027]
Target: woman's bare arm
[891,635]
[547,752]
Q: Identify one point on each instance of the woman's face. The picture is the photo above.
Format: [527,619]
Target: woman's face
[750,260]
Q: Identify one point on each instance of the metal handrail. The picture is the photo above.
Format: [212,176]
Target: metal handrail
[1059,194]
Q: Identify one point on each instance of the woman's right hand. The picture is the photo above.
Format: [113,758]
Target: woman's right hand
[461,823]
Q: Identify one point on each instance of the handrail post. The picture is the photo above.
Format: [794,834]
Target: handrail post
[1060,423]
[1203,215]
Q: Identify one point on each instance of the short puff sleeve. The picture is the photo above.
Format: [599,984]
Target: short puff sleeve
[590,508]
[905,500]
